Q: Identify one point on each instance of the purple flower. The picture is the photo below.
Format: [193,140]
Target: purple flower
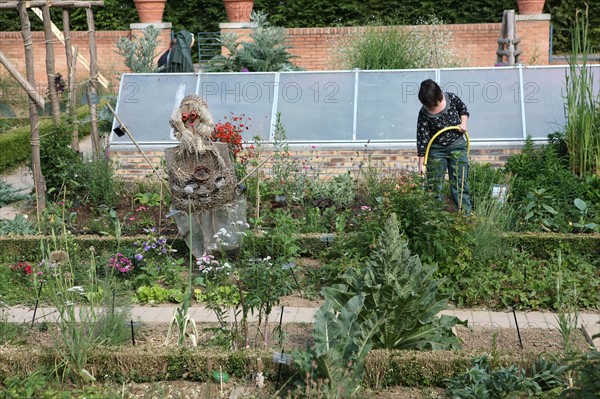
[139,256]
[244,70]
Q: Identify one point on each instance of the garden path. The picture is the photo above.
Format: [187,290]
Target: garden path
[588,321]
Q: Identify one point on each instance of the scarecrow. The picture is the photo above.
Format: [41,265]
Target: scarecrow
[210,213]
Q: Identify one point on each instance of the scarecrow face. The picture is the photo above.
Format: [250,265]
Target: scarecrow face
[189,116]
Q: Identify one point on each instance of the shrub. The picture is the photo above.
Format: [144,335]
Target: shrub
[61,166]
[15,149]
[542,168]
[139,53]
[266,52]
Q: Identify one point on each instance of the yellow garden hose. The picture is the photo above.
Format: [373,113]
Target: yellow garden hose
[440,132]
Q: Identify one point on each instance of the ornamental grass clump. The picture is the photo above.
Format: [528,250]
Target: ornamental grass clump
[583,113]
[376,48]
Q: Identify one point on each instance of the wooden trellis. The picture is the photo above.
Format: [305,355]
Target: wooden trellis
[34,100]
[508,43]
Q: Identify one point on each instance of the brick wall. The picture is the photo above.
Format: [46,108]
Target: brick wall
[330,161]
[315,47]
[474,44]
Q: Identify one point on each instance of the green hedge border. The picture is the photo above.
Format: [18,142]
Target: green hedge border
[15,147]
[148,364]
[543,245]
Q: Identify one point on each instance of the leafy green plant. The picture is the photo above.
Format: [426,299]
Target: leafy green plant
[148,199]
[584,223]
[404,292]
[587,385]
[262,283]
[18,226]
[436,235]
[483,381]
[61,166]
[543,167]
[10,194]
[267,51]
[282,238]
[341,190]
[156,294]
[341,343]
[140,52]
[31,387]
[537,211]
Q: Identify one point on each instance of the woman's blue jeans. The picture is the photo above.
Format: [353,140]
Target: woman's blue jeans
[453,158]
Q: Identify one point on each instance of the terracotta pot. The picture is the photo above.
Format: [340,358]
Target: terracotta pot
[238,10]
[530,6]
[150,11]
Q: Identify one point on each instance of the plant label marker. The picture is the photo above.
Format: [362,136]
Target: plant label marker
[328,238]
[132,334]
[288,265]
[37,301]
[282,358]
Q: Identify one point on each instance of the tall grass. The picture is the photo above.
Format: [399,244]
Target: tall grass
[376,48]
[493,215]
[583,113]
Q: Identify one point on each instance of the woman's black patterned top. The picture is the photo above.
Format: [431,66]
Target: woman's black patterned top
[429,124]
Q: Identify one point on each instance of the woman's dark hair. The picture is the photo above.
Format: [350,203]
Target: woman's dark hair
[430,93]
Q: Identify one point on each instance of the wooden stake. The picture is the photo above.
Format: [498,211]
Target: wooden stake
[71,54]
[61,38]
[50,70]
[92,88]
[34,121]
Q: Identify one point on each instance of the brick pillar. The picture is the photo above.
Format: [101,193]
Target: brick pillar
[534,32]
[164,38]
[241,29]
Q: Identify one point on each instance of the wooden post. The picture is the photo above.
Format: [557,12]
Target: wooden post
[92,88]
[71,55]
[38,178]
[50,70]
[33,94]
